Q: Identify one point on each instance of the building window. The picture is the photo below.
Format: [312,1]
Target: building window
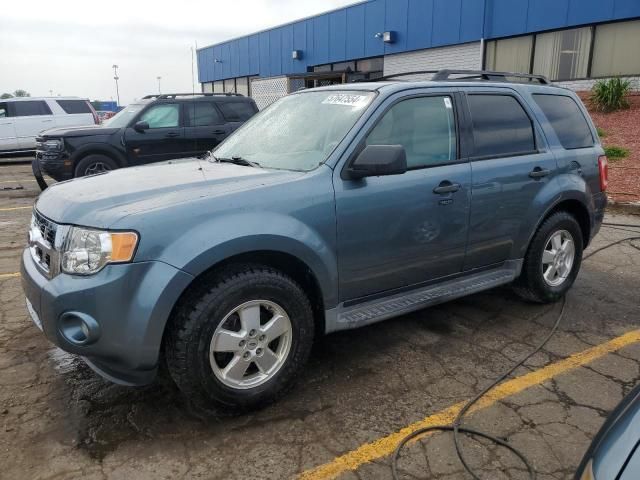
[207,87]
[563,55]
[370,65]
[242,86]
[230,85]
[510,54]
[616,49]
[344,66]
[218,87]
[322,68]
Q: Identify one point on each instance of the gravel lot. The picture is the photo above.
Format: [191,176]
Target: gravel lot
[59,420]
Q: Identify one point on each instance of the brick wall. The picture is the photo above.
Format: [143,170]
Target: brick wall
[584,85]
[466,56]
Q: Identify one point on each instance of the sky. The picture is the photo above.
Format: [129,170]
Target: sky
[68,47]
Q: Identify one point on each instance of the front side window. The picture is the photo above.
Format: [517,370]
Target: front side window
[202,114]
[166,115]
[566,119]
[297,132]
[563,55]
[31,108]
[424,126]
[501,127]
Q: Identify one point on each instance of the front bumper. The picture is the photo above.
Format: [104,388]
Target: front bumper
[57,165]
[130,303]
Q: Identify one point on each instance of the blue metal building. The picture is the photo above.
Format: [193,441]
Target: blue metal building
[569,40]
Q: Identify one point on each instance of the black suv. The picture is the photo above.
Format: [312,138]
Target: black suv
[157,128]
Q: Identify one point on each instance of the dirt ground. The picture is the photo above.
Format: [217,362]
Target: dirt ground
[60,420]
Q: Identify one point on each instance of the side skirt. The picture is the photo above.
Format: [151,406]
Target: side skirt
[354,316]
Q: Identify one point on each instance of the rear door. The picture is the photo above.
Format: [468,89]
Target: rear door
[205,126]
[510,165]
[30,118]
[8,140]
[163,140]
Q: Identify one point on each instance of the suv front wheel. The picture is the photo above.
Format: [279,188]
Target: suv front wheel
[553,259]
[239,341]
[93,164]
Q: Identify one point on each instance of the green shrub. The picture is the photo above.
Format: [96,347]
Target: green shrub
[610,95]
[614,152]
[601,132]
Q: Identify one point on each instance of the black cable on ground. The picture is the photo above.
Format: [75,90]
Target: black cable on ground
[457,428]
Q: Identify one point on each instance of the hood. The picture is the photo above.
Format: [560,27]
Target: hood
[79,131]
[100,200]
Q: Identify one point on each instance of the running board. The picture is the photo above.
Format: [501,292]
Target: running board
[345,318]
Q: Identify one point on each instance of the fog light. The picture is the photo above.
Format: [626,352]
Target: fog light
[78,328]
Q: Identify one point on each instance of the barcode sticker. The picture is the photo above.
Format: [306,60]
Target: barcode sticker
[447,102]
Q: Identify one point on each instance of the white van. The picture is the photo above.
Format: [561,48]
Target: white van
[22,119]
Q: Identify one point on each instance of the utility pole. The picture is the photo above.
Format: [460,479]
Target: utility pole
[159,90]
[116,78]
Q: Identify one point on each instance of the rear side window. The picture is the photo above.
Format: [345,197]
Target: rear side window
[501,127]
[74,106]
[237,111]
[29,108]
[202,114]
[566,119]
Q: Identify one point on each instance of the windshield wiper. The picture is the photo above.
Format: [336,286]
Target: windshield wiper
[237,161]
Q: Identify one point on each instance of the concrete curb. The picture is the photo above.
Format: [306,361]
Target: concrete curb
[627,208]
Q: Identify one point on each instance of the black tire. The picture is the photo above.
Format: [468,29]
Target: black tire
[531,285]
[94,163]
[202,310]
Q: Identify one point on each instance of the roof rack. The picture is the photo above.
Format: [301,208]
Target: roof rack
[483,75]
[174,95]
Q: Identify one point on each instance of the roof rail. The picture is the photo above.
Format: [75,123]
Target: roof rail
[485,75]
[174,95]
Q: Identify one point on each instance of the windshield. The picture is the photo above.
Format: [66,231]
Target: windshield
[299,131]
[124,116]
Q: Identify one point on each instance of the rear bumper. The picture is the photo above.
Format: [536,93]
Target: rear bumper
[127,305]
[597,216]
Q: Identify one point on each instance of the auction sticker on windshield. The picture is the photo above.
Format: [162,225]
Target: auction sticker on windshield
[347,99]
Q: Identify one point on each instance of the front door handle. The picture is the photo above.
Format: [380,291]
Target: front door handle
[218,132]
[446,187]
[172,134]
[539,172]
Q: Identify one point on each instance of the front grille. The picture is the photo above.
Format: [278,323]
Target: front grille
[47,228]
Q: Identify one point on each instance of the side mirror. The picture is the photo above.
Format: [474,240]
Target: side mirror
[141,126]
[377,160]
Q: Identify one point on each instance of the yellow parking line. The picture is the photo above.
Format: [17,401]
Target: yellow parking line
[9,275]
[385,446]
[14,208]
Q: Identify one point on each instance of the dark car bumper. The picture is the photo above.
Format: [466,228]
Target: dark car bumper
[597,216]
[57,165]
[126,307]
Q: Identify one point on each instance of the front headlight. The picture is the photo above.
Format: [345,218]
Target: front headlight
[53,145]
[87,251]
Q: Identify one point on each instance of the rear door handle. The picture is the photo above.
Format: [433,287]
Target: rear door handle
[446,187]
[172,134]
[218,132]
[539,172]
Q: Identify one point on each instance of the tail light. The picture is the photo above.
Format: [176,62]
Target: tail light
[603,168]
[96,119]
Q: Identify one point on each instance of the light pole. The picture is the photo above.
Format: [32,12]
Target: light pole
[159,91]
[116,78]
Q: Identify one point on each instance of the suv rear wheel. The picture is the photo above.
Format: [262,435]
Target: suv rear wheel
[241,340]
[94,163]
[552,261]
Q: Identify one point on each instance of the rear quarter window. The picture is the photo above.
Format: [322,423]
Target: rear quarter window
[237,111]
[74,106]
[566,119]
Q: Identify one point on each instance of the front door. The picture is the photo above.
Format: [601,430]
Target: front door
[163,140]
[402,230]
[510,165]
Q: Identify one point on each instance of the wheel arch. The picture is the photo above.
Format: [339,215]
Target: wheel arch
[98,149]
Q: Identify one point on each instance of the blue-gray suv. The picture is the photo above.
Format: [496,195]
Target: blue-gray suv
[332,209]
